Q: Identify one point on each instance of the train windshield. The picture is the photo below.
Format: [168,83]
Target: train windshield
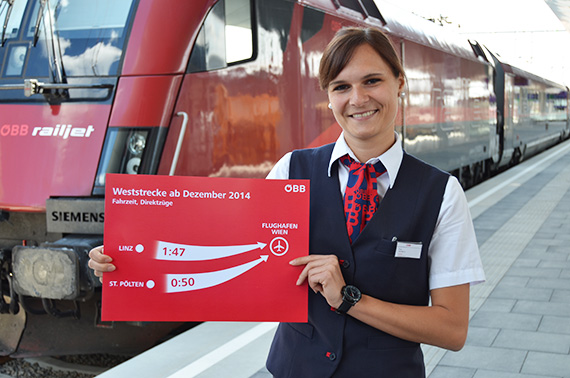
[47,38]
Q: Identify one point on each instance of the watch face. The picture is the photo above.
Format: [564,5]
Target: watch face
[352,293]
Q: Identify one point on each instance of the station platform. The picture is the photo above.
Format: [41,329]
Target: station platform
[519,318]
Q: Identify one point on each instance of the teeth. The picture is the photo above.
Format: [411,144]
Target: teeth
[362,115]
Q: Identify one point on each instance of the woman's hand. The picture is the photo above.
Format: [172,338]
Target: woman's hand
[324,276]
[100,262]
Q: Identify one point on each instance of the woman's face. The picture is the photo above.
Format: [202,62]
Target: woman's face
[364,99]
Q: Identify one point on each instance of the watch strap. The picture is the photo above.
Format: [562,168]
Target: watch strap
[344,307]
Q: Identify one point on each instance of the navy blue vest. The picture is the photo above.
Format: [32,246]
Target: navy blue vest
[333,345]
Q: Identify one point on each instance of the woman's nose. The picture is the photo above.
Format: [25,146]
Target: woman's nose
[358,96]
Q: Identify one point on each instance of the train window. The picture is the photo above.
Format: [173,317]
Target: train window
[89,36]
[225,38]
[210,48]
[16,59]
[11,14]
[239,36]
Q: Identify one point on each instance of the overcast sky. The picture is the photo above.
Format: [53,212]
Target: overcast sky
[526,33]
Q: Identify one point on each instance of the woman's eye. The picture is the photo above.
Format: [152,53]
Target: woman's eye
[373,81]
[341,87]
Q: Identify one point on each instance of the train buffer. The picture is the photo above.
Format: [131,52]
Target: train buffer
[519,318]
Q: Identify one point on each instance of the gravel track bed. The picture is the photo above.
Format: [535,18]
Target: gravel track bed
[80,366]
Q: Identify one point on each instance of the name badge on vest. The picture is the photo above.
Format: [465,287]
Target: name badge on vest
[409,250]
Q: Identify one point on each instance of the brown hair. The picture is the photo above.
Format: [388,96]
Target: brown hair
[341,48]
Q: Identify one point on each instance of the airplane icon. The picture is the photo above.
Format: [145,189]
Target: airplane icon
[277,248]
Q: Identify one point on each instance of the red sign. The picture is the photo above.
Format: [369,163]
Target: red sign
[205,249]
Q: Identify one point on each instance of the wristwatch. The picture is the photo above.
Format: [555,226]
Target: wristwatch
[350,296]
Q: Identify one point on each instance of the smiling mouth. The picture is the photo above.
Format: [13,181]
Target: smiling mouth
[363,115]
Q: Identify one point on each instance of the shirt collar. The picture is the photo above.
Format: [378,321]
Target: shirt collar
[392,158]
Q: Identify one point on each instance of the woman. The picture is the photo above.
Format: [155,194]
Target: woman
[420,242]
[372,272]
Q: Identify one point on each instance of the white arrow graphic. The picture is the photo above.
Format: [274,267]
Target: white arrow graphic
[184,252]
[176,283]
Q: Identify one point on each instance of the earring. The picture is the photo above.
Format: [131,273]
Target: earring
[330,105]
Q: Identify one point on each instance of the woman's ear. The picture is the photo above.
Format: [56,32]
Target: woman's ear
[402,83]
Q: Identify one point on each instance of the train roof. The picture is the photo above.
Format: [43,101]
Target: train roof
[400,23]
[509,68]
[528,75]
[417,29]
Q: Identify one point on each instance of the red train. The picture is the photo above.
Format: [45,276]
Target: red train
[204,88]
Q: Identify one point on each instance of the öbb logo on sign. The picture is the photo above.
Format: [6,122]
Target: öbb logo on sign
[293,188]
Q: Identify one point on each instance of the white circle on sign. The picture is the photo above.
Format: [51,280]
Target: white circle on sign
[279,246]
[150,284]
[139,248]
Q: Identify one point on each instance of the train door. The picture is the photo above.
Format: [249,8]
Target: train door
[240,92]
[511,114]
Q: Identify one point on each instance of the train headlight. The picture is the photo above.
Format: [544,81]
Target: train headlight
[46,272]
[131,151]
[137,143]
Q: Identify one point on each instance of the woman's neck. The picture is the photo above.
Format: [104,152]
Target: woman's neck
[365,150]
